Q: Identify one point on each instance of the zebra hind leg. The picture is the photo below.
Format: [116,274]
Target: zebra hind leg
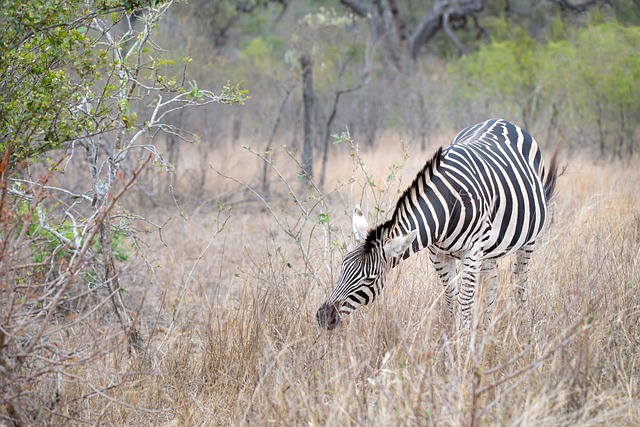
[521,270]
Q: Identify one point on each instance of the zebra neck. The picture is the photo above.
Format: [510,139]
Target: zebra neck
[421,207]
[424,238]
[420,211]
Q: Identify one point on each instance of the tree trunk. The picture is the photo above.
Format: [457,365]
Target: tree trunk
[307,100]
[400,24]
[332,116]
[327,136]
[111,279]
[385,22]
[432,21]
[600,129]
[268,149]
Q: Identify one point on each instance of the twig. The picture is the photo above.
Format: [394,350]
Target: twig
[573,331]
[183,291]
[64,281]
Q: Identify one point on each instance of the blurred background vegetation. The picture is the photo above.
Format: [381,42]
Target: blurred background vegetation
[563,69]
[566,70]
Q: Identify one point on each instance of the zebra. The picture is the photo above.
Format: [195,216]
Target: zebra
[484,196]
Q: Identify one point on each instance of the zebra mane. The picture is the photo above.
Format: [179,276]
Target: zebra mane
[377,234]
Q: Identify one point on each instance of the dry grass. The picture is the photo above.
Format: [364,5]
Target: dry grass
[246,349]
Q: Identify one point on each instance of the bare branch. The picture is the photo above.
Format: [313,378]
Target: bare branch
[358,7]
[447,30]
[183,291]
[578,7]
[432,21]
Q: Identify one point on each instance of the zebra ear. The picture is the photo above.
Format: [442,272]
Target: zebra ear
[395,247]
[360,225]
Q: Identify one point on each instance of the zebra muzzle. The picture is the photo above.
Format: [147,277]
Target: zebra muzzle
[328,315]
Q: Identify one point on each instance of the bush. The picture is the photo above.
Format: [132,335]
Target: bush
[587,79]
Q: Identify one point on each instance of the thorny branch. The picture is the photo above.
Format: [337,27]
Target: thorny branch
[39,312]
[185,286]
[76,261]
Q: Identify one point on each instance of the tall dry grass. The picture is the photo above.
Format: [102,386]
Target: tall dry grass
[230,301]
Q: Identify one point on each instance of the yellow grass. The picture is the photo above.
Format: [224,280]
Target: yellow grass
[246,350]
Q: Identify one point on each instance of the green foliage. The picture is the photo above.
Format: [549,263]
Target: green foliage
[58,242]
[592,74]
[627,11]
[55,68]
[234,94]
[324,218]
[42,45]
[607,68]
[332,39]
[263,53]
[506,71]
[610,54]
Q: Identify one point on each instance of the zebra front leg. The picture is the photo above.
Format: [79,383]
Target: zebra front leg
[471,264]
[521,270]
[445,266]
[489,285]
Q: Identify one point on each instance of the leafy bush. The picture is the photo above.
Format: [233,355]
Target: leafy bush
[42,45]
[603,81]
[85,77]
[590,77]
[505,72]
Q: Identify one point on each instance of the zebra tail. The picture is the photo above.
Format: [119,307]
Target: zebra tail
[552,176]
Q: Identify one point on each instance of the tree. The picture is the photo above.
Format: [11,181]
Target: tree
[306,67]
[311,43]
[586,78]
[218,19]
[506,72]
[386,21]
[607,87]
[76,78]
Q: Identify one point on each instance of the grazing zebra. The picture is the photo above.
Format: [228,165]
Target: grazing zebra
[481,198]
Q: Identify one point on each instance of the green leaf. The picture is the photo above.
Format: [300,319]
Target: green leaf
[323,218]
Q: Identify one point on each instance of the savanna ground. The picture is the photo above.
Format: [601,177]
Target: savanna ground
[228,290]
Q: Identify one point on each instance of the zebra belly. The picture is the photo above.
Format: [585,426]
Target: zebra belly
[508,231]
[496,250]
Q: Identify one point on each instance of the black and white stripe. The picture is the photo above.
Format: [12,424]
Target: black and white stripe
[482,197]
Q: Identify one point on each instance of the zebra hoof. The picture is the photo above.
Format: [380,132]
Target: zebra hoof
[328,316]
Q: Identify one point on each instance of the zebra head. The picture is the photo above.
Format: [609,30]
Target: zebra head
[363,270]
